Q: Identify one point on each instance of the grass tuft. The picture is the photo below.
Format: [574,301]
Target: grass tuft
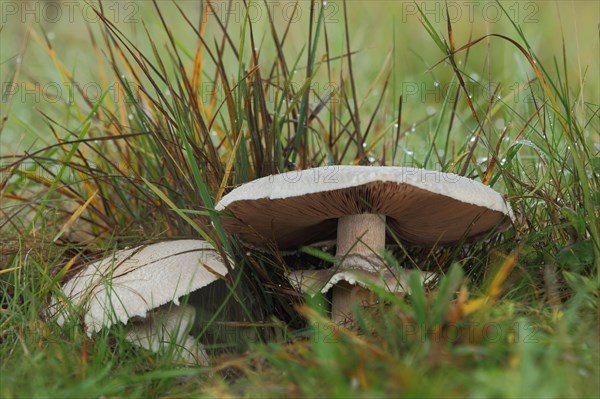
[194,102]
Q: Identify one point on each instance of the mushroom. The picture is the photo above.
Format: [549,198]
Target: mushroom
[359,206]
[144,285]
[166,327]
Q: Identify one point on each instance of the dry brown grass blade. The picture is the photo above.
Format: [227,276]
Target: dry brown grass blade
[539,74]
[396,142]
[463,86]
[360,156]
[226,37]
[479,131]
[198,57]
[454,108]
[282,63]
[449,27]
[487,175]
[377,106]
[210,113]
[495,157]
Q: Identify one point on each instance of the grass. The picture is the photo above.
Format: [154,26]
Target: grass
[193,103]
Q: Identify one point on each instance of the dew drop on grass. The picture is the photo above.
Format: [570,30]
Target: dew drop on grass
[473,139]
[413,127]
[18,60]
[475,77]
[364,145]
[431,110]
[324,3]
[130,117]
[482,159]
[167,92]
[396,125]
[213,133]
[371,159]
[50,35]
[410,153]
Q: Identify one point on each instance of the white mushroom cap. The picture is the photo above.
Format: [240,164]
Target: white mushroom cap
[135,281]
[314,281]
[422,207]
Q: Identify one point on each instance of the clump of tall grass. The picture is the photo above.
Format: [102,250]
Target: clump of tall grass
[189,122]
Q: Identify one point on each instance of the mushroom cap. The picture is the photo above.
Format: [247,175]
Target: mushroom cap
[422,207]
[134,281]
[314,281]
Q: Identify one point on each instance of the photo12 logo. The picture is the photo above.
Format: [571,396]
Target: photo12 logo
[54,92]
[287,11]
[51,12]
[471,11]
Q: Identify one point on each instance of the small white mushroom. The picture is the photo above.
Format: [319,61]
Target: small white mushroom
[167,328]
[140,284]
[359,206]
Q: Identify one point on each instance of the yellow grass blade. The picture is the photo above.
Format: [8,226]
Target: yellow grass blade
[10,270]
[179,212]
[75,216]
[494,289]
[228,168]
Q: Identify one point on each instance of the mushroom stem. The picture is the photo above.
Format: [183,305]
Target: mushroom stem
[343,296]
[360,239]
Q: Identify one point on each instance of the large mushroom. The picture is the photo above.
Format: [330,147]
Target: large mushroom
[144,285]
[359,206]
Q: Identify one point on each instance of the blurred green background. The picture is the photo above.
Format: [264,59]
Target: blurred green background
[383,33]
